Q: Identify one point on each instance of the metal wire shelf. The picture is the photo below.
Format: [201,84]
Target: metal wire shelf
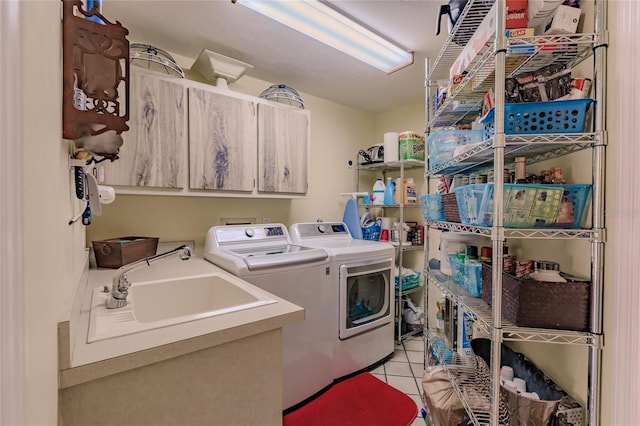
[536,147]
[481,312]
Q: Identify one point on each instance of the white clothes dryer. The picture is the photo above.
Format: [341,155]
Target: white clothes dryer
[363,290]
[264,256]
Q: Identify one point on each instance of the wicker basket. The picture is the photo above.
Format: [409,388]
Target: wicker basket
[450,207]
[117,252]
[539,304]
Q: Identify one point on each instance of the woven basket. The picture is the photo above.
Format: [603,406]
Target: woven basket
[540,304]
[450,207]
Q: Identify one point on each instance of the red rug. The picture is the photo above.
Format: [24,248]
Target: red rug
[361,400]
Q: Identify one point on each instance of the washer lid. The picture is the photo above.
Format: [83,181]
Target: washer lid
[278,256]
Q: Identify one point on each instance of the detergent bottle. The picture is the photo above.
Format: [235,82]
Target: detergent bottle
[389,198]
[378,192]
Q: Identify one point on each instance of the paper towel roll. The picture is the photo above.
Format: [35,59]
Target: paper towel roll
[390,147]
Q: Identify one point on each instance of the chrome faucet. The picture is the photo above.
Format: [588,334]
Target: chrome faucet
[120,285]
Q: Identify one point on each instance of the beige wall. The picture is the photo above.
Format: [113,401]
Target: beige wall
[54,251]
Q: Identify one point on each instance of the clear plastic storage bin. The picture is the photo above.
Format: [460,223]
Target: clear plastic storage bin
[442,143]
[469,276]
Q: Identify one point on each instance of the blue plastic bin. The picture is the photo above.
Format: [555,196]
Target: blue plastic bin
[442,143]
[525,206]
[540,117]
[432,206]
[575,199]
[468,276]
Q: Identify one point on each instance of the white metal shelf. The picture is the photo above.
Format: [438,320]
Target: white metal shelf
[481,312]
[471,379]
[522,55]
[521,233]
[501,58]
[402,247]
[536,147]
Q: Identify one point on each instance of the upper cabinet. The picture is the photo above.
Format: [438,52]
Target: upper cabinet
[152,154]
[283,140]
[188,138]
[222,142]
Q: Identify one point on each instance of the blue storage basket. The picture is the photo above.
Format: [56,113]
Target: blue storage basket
[575,199]
[468,276]
[441,144]
[432,208]
[372,231]
[540,117]
[470,200]
[525,206]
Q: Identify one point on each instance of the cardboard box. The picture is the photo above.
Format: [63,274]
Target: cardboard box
[565,20]
[517,15]
[539,11]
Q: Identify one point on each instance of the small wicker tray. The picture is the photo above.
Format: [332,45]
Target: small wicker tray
[116,252]
[540,304]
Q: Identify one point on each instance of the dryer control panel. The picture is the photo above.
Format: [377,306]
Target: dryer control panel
[319,229]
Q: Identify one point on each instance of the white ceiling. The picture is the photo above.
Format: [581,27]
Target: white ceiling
[281,55]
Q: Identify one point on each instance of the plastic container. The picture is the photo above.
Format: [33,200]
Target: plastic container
[540,117]
[575,199]
[525,206]
[442,143]
[468,276]
[372,231]
[409,193]
[408,281]
[389,195]
[399,190]
[432,206]
[378,192]
[547,271]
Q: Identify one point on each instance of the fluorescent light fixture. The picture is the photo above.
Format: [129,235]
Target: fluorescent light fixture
[324,23]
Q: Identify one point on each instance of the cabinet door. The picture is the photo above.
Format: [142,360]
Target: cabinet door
[283,143]
[222,142]
[153,150]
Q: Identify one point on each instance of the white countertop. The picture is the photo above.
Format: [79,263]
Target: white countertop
[160,343]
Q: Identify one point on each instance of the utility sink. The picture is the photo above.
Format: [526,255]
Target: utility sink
[166,302]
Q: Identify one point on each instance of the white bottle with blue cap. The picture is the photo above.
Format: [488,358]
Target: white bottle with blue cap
[378,192]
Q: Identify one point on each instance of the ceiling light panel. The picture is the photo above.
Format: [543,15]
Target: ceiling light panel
[322,22]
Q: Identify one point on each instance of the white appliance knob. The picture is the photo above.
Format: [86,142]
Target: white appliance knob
[249,232]
[322,229]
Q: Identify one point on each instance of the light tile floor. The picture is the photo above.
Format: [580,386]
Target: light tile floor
[404,371]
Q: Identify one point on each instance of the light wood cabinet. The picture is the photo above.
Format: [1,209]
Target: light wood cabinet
[191,139]
[153,151]
[222,142]
[283,139]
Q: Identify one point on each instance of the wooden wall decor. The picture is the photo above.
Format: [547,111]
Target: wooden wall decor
[95,72]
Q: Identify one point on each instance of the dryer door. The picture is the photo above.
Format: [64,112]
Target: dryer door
[365,296]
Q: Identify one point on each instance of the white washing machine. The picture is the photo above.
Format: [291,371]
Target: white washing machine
[264,256]
[363,305]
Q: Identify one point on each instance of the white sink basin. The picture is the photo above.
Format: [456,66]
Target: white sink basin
[166,302]
[173,299]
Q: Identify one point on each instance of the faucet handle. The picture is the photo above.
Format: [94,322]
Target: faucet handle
[186,253]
